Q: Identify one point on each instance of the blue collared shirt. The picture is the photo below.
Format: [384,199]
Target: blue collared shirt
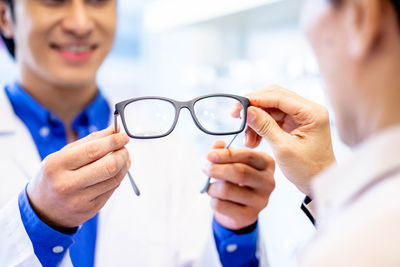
[49,135]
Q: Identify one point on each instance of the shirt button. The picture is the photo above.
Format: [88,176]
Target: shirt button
[231,248]
[58,249]
[92,128]
[44,131]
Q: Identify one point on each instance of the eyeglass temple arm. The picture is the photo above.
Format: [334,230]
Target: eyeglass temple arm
[134,186]
[207,185]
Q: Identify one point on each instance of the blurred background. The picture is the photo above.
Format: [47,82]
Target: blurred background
[187,48]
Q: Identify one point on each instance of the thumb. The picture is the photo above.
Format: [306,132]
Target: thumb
[264,125]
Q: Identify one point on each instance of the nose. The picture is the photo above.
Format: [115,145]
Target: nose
[78,21]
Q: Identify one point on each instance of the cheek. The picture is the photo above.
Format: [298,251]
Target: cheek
[107,29]
[323,30]
[110,30]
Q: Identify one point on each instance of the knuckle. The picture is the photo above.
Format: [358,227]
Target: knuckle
[75,205]
[260,201]
[47,171]
[225,190]
[49,165]
[241,173]
[62,188]
[125,154]
[115,140]
[216,204]
[269,161]
[251,158]
[267,158]
[111,166]
[89,207]
[268,186]
[324,115]
[272,184]
[93,150]
[229,154]
[114,182]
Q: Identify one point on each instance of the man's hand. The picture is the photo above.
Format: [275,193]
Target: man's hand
[297,129]
[244,183]
[75,182]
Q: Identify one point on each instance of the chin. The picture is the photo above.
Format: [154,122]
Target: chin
[75,79]
[347,132]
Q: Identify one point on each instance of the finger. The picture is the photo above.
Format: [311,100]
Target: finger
[102,169]
[96,135]
[98,189]
[235,216]
[101,200]
[236,194]
[219,144]
[236,112]
[264,125]
[279,98]
[252,139]
[91,151]
[239,173]
[257,160]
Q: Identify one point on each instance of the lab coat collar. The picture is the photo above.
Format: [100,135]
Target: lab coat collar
[7,118]
[13,134]
[336,186]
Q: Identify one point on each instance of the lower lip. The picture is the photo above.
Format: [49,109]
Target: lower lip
[76,57]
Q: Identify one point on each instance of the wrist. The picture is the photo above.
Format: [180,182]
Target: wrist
[45,219]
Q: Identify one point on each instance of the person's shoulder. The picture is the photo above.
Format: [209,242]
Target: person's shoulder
[364,233]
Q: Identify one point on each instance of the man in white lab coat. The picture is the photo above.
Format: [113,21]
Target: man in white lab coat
[52,186]
[356,203]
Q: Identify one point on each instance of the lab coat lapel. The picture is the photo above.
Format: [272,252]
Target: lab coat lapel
[16,138]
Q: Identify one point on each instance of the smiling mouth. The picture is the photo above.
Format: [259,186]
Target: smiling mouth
[75,48]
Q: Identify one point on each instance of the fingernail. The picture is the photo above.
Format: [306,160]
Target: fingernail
[212,156]
[251,115]
[206,169]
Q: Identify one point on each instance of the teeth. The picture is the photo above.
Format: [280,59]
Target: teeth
[77,48]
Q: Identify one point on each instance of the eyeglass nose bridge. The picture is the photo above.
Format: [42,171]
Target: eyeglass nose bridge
[189,105]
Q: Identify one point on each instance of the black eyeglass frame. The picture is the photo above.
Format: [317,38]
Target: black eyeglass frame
[120,107]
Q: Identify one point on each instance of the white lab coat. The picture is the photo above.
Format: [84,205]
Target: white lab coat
[358,206]
[168,225]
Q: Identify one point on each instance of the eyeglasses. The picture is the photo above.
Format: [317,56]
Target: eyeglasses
[156,117]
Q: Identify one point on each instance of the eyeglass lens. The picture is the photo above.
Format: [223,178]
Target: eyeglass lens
[156,117]
[215,114]
[149,117]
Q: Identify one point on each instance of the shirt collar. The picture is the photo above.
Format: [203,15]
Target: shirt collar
[337,185]
[23,101]
[89,119]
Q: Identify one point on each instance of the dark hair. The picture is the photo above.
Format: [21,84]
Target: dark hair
[7,41]
[396,4]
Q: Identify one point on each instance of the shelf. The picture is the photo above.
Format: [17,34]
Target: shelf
[167,15]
